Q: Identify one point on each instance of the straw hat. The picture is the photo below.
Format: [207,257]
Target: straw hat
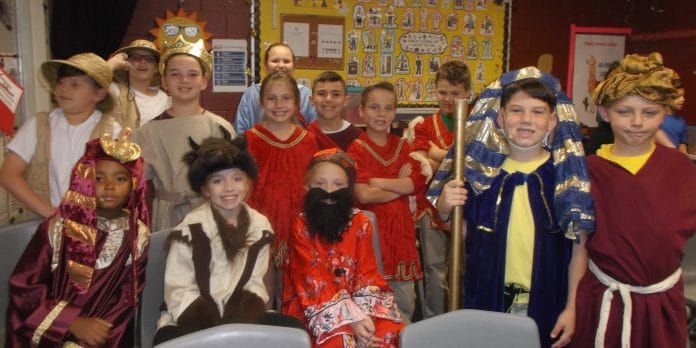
[139,44]
[93,65]
[183,46]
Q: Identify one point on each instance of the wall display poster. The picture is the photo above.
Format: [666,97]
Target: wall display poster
[401,41]
[229,65]
[592,52]
[10,94]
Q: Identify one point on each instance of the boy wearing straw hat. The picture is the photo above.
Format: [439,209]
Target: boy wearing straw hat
[136,84]
[37,165]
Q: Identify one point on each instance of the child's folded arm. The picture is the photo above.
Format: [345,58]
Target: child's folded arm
[367,194]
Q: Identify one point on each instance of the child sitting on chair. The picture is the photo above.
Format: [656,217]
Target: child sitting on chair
[335,286]
[219,254]
[79,278]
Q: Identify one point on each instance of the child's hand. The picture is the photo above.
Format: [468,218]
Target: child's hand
[93,331]
[436,153]
[119,62]
[453,195]
[405,170]
[566,325]
[364,331]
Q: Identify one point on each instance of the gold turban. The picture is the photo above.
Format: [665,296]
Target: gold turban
[645,76]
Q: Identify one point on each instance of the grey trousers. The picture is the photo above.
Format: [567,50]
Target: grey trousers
[435,250]
[405,298]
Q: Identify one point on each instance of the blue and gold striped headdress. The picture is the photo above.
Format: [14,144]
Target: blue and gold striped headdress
[487,148]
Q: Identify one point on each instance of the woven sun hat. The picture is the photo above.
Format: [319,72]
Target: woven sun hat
[182,46]
[139,44]
[91,64]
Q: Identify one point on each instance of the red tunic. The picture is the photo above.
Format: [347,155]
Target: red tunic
[279,189]
[643,224]
[38,292]
[431,130]
[328,301]
[397,233]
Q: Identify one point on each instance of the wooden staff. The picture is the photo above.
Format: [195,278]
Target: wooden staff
[460,116]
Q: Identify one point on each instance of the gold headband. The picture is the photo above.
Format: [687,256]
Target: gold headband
[121,148]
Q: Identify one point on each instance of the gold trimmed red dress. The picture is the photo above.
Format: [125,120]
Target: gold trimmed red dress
[332,285]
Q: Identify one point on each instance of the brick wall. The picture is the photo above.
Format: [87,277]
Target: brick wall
[227,19]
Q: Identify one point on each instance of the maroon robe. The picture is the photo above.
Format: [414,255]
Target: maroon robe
[340,140]
[643,224]
[35,291]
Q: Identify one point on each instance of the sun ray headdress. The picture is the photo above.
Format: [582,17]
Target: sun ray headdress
[487,148]
[75,220]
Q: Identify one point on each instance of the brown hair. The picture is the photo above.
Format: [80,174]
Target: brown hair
[273,45]
[279,76]
[383,85]
[455,72]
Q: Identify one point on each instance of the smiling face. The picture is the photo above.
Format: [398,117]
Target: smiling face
[113,188]
[526,120]
[226,190]
[279,102]
[634,121]
[378,110]
[143,65]
[183,78]
[280,58]
[329,98]
[78,95]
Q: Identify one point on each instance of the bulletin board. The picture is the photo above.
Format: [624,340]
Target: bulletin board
[402,41]
[316,40]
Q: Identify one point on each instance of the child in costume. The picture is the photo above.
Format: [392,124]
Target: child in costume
[79,278]
[386,176]
[37,165]
[431,138]
[673,130]
[645,194]
[185,68]
[219,254]
[282,151]
[334,286]
[278,57]
[329,98]
[136,84]
[525,166]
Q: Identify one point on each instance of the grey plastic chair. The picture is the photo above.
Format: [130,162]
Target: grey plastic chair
[153,293]
[13,240]
[242,335]
[470,328]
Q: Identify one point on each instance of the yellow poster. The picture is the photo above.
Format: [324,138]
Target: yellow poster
[401,41]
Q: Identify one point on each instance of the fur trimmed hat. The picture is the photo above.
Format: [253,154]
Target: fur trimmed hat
[216,154]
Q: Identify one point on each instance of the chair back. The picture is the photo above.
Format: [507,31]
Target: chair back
[242,335]
[153,293]
[469,328]
[375,239]
[14,238]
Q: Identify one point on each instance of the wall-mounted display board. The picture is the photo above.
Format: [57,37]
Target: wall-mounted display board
[401,41]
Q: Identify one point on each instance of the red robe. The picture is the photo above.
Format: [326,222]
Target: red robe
[328,301]
[397,233]
[431,130]
[37,293]
[279,189]
[643,224]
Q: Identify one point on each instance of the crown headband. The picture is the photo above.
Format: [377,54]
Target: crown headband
[120,148]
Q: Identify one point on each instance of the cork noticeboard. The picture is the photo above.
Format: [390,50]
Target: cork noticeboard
[317,41]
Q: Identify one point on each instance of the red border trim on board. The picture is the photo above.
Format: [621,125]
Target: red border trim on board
[571,50]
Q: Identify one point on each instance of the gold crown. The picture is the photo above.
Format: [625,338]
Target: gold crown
[121,148]
[182,46]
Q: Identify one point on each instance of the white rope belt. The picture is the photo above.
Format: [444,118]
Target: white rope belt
[625,291]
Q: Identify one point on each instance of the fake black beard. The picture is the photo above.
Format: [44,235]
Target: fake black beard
[328,220]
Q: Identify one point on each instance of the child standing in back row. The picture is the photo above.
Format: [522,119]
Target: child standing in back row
[329,98]
[185,68]
[37,166]
[282,151]
[386,176]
